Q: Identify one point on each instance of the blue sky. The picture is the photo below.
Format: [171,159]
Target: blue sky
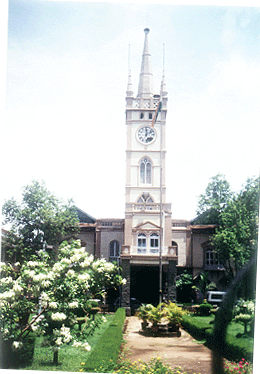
[67,68]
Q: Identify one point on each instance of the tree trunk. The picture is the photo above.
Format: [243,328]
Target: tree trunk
[55,357]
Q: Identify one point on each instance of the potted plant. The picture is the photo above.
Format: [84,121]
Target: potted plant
[155,316]
[174,316]
[142,313]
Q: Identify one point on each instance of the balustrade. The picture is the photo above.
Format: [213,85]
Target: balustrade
[148,251]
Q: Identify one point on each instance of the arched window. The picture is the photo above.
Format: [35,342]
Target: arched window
[154,243]
[145,171]
[114,249]
[175,247]
[141,243]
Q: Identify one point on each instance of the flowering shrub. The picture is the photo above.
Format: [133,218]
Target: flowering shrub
[243,367]
[244,312]
[43,298]
[155,365]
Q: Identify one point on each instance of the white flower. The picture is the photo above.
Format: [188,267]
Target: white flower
[3,266]
[5,332]
[123,281]
[35,327]
[58,267]
[75,258]
[44,299]
[17,289]
[87,261]
[59,341]
[66,261]
[70,273]
[58,316]
[29,273]
[73,305]
[7,280]
[17,345]
[83,277]
[86,346]
[53,305]
[8,296]
[76,344]
[103,318]
[32,264]
[38,278]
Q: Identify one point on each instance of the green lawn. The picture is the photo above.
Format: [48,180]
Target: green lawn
[70,358]
[238,344]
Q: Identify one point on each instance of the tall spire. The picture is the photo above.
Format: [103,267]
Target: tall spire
[145,89]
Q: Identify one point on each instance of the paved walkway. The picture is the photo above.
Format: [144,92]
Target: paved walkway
[191,356]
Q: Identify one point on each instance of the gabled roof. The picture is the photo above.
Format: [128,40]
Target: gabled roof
[84,217]
[147,226]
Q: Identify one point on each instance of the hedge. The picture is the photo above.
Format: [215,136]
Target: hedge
[234,349]
[104,356]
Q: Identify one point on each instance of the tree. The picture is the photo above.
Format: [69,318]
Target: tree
[235,239]
[213,201]
[54,293]
[40,219]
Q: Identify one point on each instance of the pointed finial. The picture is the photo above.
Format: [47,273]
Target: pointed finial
[145,88]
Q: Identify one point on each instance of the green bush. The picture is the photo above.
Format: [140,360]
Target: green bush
[104,356]
[205,309]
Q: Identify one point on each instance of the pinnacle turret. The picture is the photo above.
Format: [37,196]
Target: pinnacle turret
[129,90]
[163,91]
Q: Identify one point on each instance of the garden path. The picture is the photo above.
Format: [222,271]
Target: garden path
[191,356]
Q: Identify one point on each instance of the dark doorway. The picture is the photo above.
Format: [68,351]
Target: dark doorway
[145,284]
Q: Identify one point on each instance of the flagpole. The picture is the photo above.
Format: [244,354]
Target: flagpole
[158,110]
[161,209]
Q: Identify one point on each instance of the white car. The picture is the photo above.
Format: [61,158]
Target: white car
[215,297]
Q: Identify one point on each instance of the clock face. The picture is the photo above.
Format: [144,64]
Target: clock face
[146,134]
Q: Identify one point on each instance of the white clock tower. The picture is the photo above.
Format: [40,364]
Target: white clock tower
[147,215]
[146,210]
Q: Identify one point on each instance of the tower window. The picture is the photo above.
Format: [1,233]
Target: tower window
[145,171]
[141,243]
[150,116]
[141,115]
[154,243]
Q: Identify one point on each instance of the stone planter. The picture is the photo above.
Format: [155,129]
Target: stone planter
[173,328]
[144,325]
[155,328]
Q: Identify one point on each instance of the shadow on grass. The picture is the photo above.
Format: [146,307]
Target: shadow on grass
[49,363]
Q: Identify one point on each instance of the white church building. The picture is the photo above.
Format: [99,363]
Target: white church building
[151,247]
